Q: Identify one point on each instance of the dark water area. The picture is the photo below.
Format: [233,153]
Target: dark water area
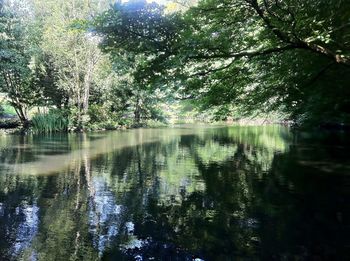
[185,193]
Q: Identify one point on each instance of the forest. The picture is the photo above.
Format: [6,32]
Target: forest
[103,64]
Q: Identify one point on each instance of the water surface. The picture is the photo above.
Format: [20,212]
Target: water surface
[215,193]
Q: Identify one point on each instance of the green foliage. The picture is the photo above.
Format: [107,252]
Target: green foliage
[155,124]
[256,56]
[18,63]
[7,110]
[53,121]
[104,125]
[230,60]
[98,113]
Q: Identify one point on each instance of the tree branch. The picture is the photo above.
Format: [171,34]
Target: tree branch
[246,53]
[203,73]
[338,58]
[298,43]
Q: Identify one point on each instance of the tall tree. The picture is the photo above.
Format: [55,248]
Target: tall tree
[72,49]
[260,54]
[18,64]
[134,36]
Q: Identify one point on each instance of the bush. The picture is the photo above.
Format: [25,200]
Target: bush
[125,122]
[98,113]
[155,124]
[7,110]
[105,125]
[54,121]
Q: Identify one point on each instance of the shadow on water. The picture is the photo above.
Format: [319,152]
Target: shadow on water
[175,194]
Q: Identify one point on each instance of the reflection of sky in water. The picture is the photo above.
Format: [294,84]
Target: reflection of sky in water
[104,215]
[2,208]
[106,220]
[27,229]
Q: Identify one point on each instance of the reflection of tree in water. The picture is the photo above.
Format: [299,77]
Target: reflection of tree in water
[286,210]
[217,194]
[63,227]
[18,214]
[303,210]
[216,221]
[215,218]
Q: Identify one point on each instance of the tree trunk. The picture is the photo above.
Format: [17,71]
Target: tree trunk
[22,115]
[87,84]
[137,112]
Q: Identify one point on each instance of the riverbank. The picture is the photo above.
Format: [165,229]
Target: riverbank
[10,125]
[13,125]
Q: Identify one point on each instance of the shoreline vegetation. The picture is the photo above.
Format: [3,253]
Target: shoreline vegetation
[45,124]
[137,63]
[12,125]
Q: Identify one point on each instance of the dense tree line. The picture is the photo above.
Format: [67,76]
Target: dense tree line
[247,56]
[51,60]
[101,64]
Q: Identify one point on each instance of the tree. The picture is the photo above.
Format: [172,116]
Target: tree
[74,58]
[138,52]
[69,57]
[259,55]
[18,59]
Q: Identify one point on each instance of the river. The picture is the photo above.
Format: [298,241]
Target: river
[212,193]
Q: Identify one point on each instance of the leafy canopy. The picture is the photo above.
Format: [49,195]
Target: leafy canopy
[256,55]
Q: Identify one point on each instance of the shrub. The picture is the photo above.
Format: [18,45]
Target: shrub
[155,124]
[54,121]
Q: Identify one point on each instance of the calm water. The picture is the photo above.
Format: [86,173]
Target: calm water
[220,193]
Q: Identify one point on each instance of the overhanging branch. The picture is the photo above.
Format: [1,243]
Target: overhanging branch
[297,42]
[248,54]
